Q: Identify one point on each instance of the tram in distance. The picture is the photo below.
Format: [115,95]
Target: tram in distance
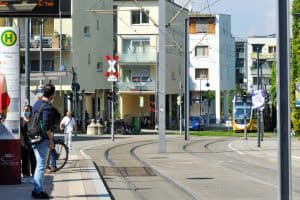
[238,110]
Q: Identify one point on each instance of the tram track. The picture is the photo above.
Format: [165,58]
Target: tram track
[131,185]
[234,160]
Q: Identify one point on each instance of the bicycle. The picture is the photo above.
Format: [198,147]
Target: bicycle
[62,154]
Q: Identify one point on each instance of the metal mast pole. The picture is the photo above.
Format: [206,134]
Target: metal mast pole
[162,77]
[112,112]
[27,68]
[283,115]
[186,81]
[41,47]
[180,109]
[258,111]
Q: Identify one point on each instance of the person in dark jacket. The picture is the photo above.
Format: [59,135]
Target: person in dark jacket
[27,154]
[41,149]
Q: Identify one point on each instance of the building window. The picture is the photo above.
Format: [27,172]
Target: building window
[254,49]
[139,17]
[201,73]
[202,26]
[86,31]
[100,67]
[201,51]
[48,66]
[89,58]
[136,46]
[98,25]
[127,75]
[173,76]
[272,49]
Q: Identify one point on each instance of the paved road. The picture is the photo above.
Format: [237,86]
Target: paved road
[202,168]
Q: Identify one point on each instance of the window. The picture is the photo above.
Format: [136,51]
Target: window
[127,75]
[89,58]
[98,25]
[139,17]
[201,51]
[86,31]
[202,25]
[254,49]
[201,73]
[272,49]
[48,66]
[136,46]
[100,67]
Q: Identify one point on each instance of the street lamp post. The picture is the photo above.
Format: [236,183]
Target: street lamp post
[258,48]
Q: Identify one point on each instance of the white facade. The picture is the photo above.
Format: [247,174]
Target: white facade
[216,59]
[266,57]
[137,46]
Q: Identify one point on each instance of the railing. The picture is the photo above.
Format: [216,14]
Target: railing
[264,56]
[149,57]
[49,41]
[136,86]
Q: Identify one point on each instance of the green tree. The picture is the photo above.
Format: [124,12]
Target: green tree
[295,66]
[273,84]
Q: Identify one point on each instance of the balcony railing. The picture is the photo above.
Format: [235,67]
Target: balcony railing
[136,86]
[149,57]
[49,41]
[264,56]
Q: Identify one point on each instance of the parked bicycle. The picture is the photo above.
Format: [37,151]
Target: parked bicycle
[62,154]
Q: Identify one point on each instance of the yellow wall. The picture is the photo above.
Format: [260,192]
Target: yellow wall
[129,106]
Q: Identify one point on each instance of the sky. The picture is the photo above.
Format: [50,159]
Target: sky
[248,17]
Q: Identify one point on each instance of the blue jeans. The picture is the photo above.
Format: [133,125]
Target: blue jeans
[53,157]
[41,151]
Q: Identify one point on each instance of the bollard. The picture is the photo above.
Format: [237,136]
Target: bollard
[91,128]
[97,126]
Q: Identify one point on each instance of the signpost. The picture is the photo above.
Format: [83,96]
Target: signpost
[112,76]
[10,156]
[258,102]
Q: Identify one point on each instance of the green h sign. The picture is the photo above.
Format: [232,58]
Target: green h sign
[9,38]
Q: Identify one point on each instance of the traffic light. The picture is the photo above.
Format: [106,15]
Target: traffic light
[179,100]
[109,96]
[244,96]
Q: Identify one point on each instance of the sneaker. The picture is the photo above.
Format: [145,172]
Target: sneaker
[41,195]
[53,169]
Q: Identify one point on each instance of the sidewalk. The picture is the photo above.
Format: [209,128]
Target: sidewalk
[79,179]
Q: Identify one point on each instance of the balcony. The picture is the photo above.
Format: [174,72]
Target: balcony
[50,42]
[136,86]
[149,57]
[263,56]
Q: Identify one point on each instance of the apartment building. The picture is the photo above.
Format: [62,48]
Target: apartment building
[267,55]
[137,45]
[212,65]
[77,45]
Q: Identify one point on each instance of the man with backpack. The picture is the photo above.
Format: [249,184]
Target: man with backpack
[45,141]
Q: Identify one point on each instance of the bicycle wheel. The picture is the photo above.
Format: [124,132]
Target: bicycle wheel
[63,153]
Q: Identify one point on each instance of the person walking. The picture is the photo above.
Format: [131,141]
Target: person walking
[27,154]
[41,149]
[68,125]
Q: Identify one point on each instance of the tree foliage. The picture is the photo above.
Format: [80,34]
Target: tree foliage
[295,65]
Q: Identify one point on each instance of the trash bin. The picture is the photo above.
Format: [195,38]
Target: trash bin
[136,127]
[92,128]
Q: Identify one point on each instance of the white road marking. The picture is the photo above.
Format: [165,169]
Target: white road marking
[234,149]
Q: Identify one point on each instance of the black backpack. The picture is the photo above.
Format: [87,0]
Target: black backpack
[35,130]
